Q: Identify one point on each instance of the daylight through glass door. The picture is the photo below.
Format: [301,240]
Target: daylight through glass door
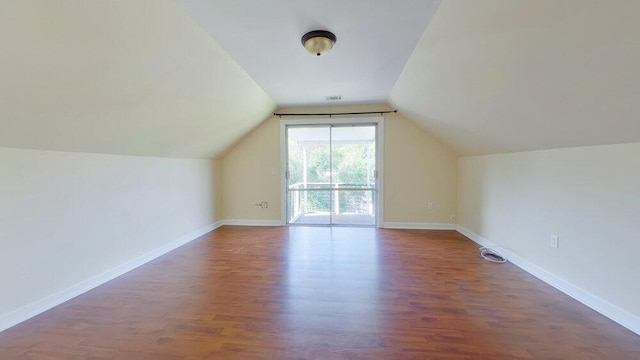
[331,174]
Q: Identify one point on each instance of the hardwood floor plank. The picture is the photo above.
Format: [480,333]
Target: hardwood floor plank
[322,293]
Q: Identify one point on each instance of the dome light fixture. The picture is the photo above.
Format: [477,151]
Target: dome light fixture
[318,42]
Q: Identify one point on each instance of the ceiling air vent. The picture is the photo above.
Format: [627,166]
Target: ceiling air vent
[333,97]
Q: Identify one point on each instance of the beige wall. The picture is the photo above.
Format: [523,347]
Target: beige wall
[417,170]
[251,174]
[588,196]
[216,190]
[67,217]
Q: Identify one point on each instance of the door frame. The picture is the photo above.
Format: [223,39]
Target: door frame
[377,120]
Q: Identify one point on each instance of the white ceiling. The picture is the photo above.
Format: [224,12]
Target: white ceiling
[120,77]
[498,76]
[375,39]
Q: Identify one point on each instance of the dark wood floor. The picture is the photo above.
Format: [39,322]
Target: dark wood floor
[322,293]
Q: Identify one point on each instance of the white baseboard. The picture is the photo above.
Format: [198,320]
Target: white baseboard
[39,306]
[475,237]
[243,222]
[613,312]
[419,226]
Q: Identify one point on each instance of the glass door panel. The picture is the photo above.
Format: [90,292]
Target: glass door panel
[309,175]
[331,174]
[353,170]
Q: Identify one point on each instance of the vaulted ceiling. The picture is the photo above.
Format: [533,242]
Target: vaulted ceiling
[375,40]
[189,78]
[493,76]
[120,77]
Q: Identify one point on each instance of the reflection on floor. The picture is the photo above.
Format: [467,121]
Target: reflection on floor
[326,218]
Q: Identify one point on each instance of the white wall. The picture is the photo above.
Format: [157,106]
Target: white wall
[67,217]
[588,196]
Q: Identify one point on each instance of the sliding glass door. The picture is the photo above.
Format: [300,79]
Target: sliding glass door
[331,174]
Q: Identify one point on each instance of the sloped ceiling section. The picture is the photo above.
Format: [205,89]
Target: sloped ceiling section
[497,76]
[120,77]
[375,39]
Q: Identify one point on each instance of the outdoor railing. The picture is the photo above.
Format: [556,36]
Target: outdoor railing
[315,197]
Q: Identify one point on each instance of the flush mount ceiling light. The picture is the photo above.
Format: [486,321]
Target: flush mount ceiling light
[318,42]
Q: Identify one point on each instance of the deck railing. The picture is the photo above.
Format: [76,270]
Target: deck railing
[324,197]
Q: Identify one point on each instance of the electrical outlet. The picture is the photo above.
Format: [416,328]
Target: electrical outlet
[453,218]
[555,241]
[430,205]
